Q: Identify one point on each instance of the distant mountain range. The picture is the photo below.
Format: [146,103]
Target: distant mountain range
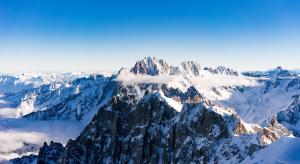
[154,113]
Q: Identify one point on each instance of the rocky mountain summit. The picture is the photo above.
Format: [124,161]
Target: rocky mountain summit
[159,113]
[222,70]
[148,129]
[82,96]
[153,66]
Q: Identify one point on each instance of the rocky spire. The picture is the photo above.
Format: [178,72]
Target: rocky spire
[151,66]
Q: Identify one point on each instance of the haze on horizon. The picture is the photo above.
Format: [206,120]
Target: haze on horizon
[54,35]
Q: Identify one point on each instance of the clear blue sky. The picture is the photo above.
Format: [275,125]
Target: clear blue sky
[69,35]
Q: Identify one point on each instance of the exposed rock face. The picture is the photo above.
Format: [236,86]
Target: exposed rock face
[37,94]
[146,129]
[291,116]
[25,159]
[187,68]
[279,72]
[85,95]
[221,70]
[273,132]
[52,153]
[190,96]
[147,132]
[294,84]
[148,122]
[175,70]
[151,66]
[240,128]
[191,67]
[266,135]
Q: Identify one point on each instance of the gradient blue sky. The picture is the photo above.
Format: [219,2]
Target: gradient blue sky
[71,35]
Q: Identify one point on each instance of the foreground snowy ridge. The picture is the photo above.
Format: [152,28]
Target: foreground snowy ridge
[185,113]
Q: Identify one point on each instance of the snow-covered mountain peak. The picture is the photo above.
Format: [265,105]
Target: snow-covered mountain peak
[222,70]
[162,111]
[14,83]
[279,72]
[154,66]
[191,67]
[187,68]
[151,66]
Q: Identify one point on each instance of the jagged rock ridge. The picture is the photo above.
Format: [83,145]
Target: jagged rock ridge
[147,129]
[152,122]
[153,66]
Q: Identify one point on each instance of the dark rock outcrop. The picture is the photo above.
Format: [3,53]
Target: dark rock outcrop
[52,153]
[222,70]
[25,159]
[149,130]
[151,66]
[291,116]
[135,128]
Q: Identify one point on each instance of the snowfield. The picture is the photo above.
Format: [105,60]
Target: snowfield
[284,150]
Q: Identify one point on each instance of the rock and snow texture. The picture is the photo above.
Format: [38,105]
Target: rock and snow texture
[222,70]
[291,117]
[156,112]
[55,111]
[74,101]
[188,68]
[131,128]
[284,150]
[151,66]
[13,83]
[48,96]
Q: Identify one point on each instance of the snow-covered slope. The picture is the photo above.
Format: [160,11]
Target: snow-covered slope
[153,66]
[48,96]
[154,121]
[71,101]
[260,103]
[157,112]
[18,91]
[56,111]
[13,83]
[276,92]
[284,150]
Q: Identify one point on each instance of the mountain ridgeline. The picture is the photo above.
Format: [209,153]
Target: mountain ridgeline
[158,113]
